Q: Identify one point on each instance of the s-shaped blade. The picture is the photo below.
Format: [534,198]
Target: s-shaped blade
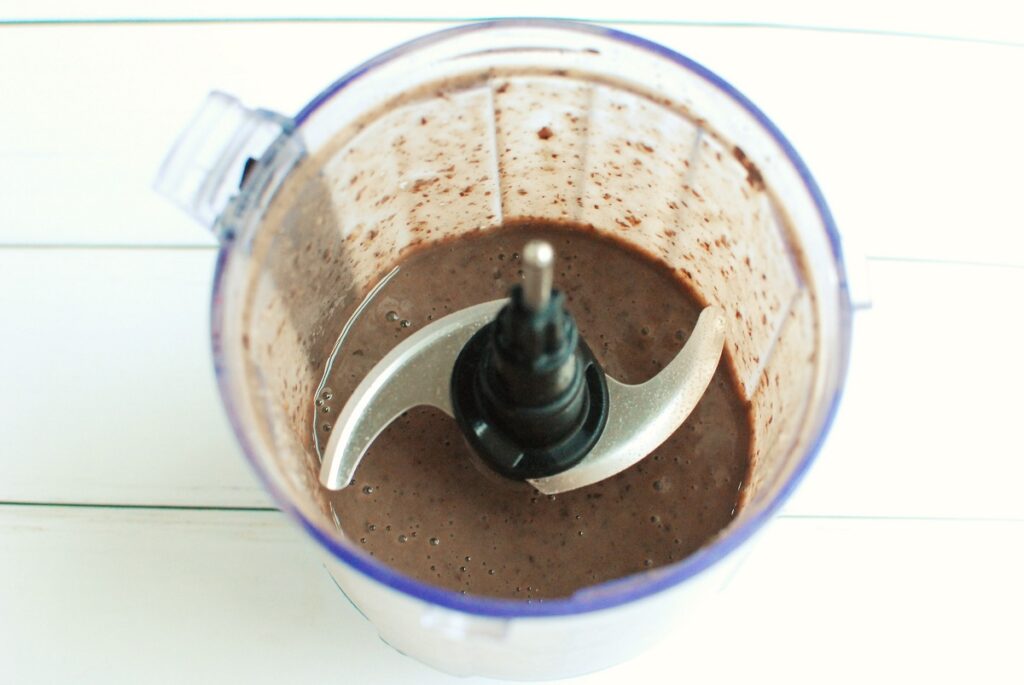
[418,372]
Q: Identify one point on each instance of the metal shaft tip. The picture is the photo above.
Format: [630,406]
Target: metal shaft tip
[538,274]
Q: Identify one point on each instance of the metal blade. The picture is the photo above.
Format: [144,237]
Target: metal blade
[416,372]
[641,417]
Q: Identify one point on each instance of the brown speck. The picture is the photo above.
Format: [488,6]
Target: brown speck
[245,340]
[545,133]
[502,88]
[521,191]
[423,121]
[422,183]
[754,177]
[645,147]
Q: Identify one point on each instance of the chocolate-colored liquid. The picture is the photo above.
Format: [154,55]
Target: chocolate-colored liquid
[420,504]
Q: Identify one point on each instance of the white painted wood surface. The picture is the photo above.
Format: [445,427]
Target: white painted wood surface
[900,557]
[109,394]
[993,20]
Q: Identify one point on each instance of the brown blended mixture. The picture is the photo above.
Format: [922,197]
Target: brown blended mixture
[420,504]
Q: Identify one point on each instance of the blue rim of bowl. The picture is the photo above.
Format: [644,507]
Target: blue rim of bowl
[613,593]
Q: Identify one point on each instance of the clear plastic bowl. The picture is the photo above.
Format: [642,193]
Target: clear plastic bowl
[456,132]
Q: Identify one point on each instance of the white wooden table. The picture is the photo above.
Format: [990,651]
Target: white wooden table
[135,544]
